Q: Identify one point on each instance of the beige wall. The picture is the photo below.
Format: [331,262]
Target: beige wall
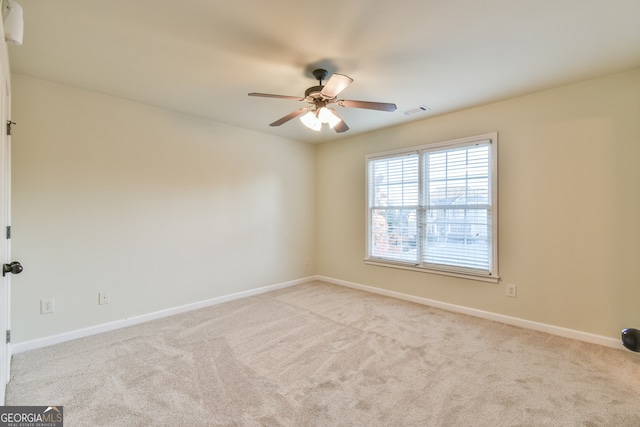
[163,209]
[158,208]
[569,206]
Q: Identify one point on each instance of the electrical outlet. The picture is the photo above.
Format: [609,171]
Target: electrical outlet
[104,297]
[512,291]
[46,306]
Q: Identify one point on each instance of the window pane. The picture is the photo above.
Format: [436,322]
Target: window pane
[393,199]
[458,237]
[394,234]
[394,181]
[458,217]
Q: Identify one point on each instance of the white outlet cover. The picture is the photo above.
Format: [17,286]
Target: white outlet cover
[103,298]
[47,306]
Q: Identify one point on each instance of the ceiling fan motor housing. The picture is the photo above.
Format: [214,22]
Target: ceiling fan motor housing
[313,93]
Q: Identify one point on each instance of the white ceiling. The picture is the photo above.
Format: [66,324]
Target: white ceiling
[202,57]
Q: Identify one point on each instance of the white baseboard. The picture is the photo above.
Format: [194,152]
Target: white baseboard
[20,347]
[523,323]
[110,326]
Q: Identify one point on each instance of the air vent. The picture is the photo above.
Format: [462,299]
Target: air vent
[420,109]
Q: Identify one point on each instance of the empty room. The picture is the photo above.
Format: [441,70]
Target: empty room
[345,213]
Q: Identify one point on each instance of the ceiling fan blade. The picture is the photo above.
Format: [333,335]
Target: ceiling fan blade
[381,106]
[340,126]
[290,116]
[336,84]
[268,95]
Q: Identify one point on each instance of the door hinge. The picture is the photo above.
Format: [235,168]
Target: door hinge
[9,123]
[8,232]
[8,336]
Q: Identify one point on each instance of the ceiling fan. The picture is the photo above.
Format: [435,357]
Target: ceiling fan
[319,97]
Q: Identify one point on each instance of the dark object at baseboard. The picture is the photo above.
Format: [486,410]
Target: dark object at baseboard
[631,339]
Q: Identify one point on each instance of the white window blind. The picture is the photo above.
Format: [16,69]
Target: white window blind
[393,212]
[434,207]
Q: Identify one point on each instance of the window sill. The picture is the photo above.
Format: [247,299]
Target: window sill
[401,266]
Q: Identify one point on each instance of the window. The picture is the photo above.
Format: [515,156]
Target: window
[434,208]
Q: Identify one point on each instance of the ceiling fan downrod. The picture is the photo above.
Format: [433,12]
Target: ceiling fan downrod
[320,74]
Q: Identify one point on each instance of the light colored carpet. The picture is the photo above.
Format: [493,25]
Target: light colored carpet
[322,355]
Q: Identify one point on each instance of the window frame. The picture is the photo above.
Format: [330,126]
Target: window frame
[421,266]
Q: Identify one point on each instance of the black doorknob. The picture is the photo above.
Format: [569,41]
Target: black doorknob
[13,268]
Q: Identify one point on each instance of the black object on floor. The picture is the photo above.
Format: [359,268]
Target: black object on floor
[631,339]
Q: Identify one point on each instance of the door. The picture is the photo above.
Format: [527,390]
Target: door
[5,216]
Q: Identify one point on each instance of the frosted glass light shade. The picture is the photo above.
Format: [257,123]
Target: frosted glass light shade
[326,115]
[311,121]
[314,119]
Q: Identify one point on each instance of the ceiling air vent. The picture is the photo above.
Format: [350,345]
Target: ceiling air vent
[420,109]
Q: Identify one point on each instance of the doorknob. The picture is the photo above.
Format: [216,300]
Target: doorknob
[13,268]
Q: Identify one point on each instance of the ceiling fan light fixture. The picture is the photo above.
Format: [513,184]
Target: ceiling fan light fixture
[319,96]
[311,121]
